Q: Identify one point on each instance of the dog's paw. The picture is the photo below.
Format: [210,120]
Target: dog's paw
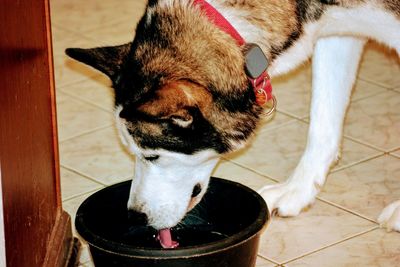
[390,217]
[287,200]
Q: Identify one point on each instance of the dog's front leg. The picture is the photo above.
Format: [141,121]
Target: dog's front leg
[335,64]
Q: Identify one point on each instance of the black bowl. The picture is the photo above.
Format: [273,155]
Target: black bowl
[222,231]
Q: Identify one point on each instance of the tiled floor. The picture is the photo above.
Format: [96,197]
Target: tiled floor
[339,230]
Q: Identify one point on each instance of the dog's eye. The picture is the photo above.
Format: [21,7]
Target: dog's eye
[152,157]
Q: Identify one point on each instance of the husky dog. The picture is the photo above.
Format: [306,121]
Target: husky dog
[182,96]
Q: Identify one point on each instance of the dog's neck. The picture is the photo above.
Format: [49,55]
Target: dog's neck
[219,20]
[269,24]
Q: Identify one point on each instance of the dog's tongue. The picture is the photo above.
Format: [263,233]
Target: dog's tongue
[165,238]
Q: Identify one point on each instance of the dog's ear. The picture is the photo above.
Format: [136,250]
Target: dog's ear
[105,59]
[178,103]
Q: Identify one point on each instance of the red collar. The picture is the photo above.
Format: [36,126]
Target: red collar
[261,84]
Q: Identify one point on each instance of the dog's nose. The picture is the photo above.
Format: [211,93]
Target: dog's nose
[196,190]
[137,218]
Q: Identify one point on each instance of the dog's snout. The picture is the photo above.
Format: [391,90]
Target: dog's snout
[137,218]
[196,190]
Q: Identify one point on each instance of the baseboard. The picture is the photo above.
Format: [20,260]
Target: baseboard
[61,247]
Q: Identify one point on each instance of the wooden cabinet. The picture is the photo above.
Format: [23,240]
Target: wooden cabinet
[37,230]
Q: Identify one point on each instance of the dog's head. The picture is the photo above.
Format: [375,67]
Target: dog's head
[182,99]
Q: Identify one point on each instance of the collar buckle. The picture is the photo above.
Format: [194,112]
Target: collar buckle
[256,64]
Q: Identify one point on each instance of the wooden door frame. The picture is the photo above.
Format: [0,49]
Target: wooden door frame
[37,230]
[2,240]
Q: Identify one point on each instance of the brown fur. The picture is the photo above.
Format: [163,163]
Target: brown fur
[393,5]
[277,18]
[202,64]
[173,98]
[181,66]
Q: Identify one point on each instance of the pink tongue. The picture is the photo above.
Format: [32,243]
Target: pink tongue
[165,238]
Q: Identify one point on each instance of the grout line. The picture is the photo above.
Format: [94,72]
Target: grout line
[370,96]
[332,244]
[249,169]
[71,169]
[292,115]
[61,27]
[268,259]
[287,114]
[293,121]
[267,128]
[81,194]
[121,179]
[374,156]
[86,133]
[346,209]
[73,34]
[89,78]
[374,82]
[391,153]
[362,143]
[60,86]
[86,101]
[90,29]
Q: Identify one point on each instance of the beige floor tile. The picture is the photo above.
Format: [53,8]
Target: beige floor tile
[373,249]
[75,117]
[380,66]
[322,225]
[117,33]
[66,69]
[85,97]
[375,121]
[365,188]
[233,172]
[95,90]
[87,15]
[275,153]
[73,184]
[58,34]
[98,155]
[363,89]
[276,120]
[264,263]
[293,92]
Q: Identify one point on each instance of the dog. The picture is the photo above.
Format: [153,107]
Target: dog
[183,96]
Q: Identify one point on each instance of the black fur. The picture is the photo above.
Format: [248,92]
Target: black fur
[306,11]
[199,136]
[105,59]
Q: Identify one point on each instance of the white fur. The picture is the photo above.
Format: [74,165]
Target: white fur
[335,60]
[331,94]
[340,22]
[236,17]
[162,189]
